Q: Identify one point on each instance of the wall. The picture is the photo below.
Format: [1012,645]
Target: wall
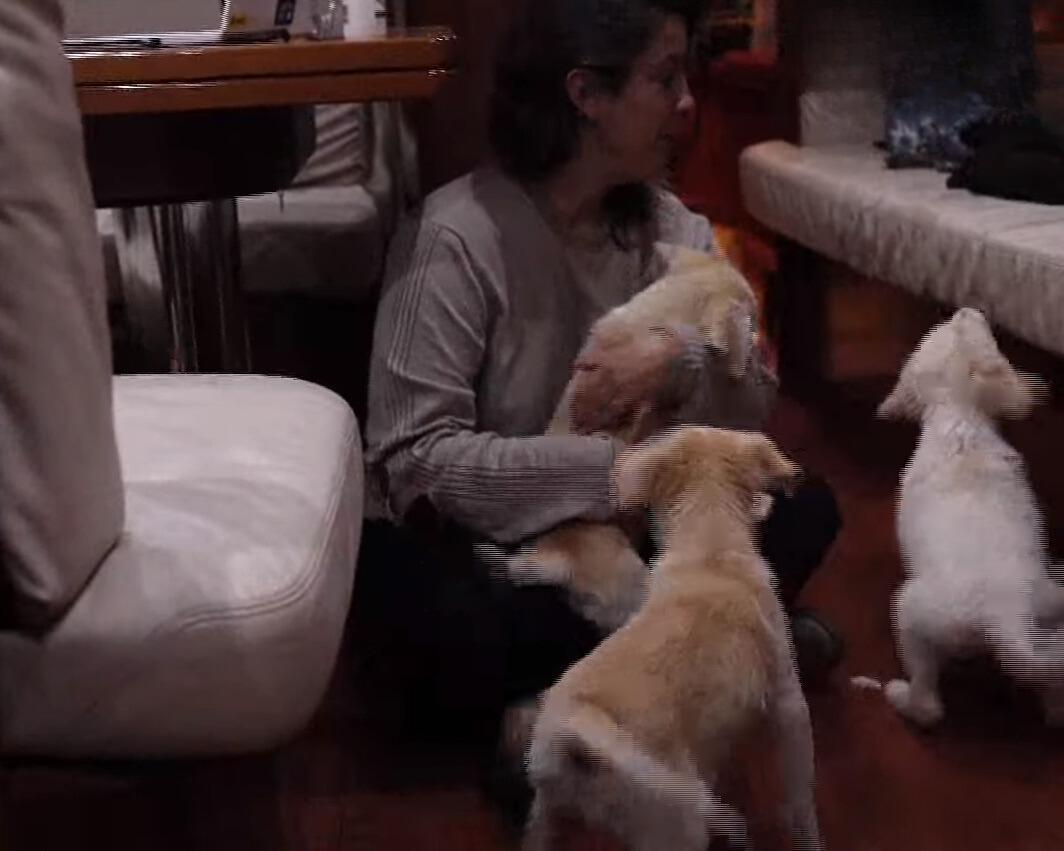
[107,17]
[452,128]
[1049,18]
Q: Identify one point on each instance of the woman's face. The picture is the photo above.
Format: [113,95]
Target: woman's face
[634,132]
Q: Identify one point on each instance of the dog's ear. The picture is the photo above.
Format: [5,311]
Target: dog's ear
[903,402]
[1002,391]
[771,469]
[639,469]
[737,332]
[591,398]
[997,388]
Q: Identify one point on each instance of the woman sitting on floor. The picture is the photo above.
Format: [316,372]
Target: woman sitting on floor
[489,296]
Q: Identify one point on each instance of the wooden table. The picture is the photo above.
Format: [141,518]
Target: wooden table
[401,65]
[175,135]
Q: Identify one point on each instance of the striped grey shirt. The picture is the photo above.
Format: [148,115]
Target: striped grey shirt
[484,308]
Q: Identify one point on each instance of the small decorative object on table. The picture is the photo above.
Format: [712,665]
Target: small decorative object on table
[330,18]
[366,18]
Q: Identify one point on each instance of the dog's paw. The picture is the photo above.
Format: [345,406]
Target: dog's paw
[897,692]
[532,567]
[924,710]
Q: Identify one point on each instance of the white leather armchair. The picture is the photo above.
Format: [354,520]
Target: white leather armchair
[179,550]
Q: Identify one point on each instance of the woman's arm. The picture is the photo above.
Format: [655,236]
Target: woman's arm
[429,343]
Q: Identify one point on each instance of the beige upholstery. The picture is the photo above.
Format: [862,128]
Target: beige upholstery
[834,194]
[325,241]
[905,227]
[209,621]
[326,235]
[60,486]
[841,52]
[87,18]
[214,626]
[340,149]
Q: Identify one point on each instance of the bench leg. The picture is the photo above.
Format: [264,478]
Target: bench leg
[796,315]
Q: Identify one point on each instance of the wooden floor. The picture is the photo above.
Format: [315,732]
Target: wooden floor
[989,779]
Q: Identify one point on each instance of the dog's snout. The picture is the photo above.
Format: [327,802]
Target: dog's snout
[971,314]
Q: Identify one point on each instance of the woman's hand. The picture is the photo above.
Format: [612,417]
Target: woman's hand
[723,401]
[625,384]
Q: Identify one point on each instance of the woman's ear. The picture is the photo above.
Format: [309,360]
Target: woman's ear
[585,92]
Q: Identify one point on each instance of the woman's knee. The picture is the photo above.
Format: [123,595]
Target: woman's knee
[798,533]
[813,505]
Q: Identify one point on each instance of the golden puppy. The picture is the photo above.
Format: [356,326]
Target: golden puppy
[632,737]
[625,385]
[702,292]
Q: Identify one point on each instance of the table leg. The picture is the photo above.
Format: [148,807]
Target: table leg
[180,266]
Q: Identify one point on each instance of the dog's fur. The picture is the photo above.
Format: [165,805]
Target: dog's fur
[699,290]
[969,527]
[632,737]
[596,561]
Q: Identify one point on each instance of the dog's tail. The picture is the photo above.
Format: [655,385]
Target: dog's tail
[1028,651]
[589,761]
[590,749]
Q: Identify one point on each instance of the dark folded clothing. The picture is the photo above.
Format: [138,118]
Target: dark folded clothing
[1016,158]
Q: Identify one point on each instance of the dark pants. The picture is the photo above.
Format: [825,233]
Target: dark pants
[460,646]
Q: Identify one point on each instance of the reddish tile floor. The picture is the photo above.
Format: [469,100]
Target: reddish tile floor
[990,779]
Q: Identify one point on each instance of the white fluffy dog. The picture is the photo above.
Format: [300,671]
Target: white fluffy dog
[596,562]
[632,737]
[969,528]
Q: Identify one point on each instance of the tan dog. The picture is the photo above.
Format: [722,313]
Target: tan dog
[699,291]
[632,737]
[623,386]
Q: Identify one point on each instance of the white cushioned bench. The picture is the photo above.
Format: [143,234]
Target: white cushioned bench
[906,228]
[832,195]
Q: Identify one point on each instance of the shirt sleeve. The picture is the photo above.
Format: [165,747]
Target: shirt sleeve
[423,441]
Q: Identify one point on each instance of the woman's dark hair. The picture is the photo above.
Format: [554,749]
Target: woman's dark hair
[534,126]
